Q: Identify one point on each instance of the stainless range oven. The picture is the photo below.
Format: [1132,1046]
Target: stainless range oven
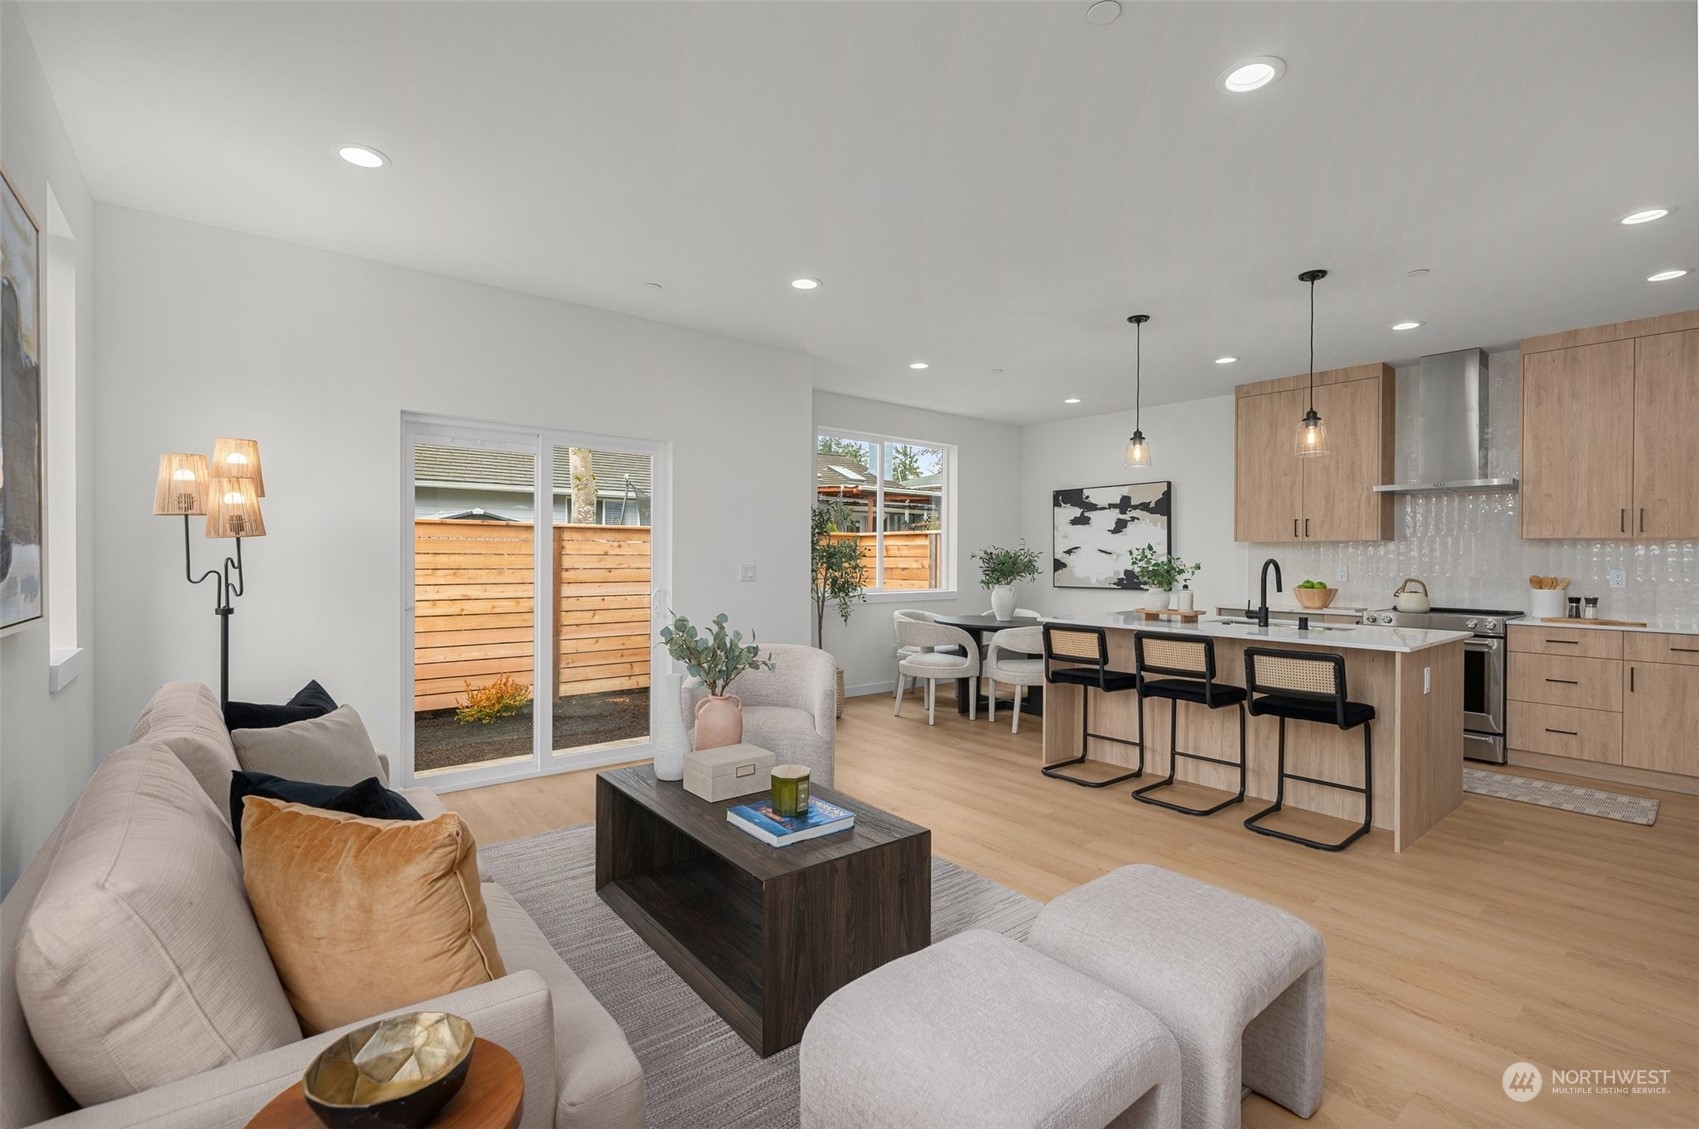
[1484,660]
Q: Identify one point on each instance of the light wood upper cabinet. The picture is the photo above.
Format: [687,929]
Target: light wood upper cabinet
[1281,497]
[1610,424]
[1340,503]
[1660,717]
[1267,497]
[1666,435]
[1577,436]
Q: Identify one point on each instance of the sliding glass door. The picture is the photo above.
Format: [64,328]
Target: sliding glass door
[533,561]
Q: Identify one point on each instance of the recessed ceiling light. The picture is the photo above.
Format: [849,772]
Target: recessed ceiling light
[653,286]
[919,364]
[806,283]
[1252,74]
[1227,360]
[1645,215]
[1419,272]
[1103,12]
[362,155]
[996,372]
[1666,275]
[1401,326]
[1072,400]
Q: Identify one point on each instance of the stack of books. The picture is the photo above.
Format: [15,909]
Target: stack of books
[761,821]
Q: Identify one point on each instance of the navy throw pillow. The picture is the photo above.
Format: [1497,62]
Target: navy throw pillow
[369,797]
[309,702]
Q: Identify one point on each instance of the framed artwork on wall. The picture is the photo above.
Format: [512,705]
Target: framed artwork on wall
[1098,527]
[20,410]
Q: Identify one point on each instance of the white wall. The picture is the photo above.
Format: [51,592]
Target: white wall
[1191,446]
[47,746]
[206,332]
[988,490]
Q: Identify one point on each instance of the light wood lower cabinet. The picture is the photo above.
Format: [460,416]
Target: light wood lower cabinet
[1565,731]
[1556,680]
[1574,642]
[1660,717]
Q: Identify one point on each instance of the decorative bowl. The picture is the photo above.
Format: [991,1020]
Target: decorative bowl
[396,1073]
[1315,598]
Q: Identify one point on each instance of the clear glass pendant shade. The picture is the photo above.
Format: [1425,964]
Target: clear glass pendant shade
[1312,435]
[1138,450]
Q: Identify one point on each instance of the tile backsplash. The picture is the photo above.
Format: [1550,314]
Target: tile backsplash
[1465,545]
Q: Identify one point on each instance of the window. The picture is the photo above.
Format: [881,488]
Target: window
[896,499]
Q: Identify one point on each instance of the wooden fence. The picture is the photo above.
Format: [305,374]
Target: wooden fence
[474,603]
[911,559]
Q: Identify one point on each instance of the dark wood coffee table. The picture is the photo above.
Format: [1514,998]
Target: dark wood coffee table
[763,934]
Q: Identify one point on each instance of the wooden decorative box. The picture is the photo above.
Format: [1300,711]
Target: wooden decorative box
[732,770]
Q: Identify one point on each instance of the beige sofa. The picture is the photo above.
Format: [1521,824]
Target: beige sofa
[130,939]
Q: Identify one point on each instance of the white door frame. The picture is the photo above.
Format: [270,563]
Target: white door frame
[540,442]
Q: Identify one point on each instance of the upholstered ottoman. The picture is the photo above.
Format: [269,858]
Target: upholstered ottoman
[980,1032]
[1239,983]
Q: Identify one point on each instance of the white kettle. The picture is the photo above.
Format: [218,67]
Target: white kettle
[1407,599]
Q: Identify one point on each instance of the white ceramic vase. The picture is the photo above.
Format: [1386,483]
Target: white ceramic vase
[1003,601]
[670,745]
[1156,599]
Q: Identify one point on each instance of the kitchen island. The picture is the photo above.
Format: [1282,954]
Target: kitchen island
[1413,678]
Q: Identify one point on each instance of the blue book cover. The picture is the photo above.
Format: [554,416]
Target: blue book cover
[765,824]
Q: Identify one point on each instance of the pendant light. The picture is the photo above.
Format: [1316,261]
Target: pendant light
[1138,451]
[1312,433]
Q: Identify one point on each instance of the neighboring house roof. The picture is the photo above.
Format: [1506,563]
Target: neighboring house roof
[467,467]
[847,473]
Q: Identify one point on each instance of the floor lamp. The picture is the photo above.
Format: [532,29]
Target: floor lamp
[228,494]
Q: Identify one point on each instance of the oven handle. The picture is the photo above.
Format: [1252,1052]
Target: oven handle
[1476,643]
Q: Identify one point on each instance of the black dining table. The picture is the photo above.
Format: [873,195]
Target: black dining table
[982,627]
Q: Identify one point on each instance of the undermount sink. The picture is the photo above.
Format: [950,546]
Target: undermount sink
[1289,625]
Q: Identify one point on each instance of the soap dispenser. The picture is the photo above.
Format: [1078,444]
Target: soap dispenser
[1184,597]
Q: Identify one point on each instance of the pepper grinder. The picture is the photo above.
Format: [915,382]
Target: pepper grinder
[1575,607]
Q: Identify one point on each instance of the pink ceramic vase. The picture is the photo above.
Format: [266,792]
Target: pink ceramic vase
[719,721]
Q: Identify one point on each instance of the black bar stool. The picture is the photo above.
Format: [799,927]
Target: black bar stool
[1084,655]
[1309,686]
[1189,661]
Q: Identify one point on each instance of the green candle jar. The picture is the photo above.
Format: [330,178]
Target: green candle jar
[790,790]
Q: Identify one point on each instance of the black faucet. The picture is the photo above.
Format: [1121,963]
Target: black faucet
[1262,589]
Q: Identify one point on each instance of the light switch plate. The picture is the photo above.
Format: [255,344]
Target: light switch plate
[1427,679]
[1619,578]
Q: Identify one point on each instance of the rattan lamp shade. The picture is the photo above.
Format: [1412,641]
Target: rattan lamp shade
[182,485]
[233,510]
[238,458]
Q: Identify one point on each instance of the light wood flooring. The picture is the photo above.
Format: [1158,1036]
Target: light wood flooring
[1511,932]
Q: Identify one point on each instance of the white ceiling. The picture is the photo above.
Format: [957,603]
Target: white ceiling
[979,185]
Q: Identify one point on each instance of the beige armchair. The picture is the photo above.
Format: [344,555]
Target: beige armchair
[791,711]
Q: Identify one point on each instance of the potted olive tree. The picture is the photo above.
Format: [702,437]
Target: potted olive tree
[716,658]
[1158,573]
[837,574]
[1000,569]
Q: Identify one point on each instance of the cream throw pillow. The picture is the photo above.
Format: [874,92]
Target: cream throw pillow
[365,915]
[333,749]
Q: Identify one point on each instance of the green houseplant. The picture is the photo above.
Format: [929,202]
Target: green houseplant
[716,658]
[999,569]
[837,573]
[1158,573]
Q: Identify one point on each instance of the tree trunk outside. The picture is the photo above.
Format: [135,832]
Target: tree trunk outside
[583,487]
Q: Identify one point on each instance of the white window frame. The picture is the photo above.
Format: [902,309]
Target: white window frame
[876,592]
[544,760]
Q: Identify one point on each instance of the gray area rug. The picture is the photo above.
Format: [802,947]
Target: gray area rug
[697,1073]
[1567,797]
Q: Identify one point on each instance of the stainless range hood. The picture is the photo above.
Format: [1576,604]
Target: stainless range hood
[1453,414]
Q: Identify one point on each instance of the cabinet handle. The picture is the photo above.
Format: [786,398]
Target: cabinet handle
[1566,642]
[1624,522]
[1564,681]
[1642,519]
[1306,527]
[1686,650]
[1631,680]
[1565,732]
[1294,527]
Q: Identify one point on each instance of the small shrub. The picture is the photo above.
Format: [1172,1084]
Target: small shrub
[501,698]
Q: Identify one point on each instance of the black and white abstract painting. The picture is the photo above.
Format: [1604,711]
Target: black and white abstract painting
[20,412]
[1098,527]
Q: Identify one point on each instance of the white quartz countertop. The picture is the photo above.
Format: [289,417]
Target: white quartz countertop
[1295,608]
[1401,640]
[1651,627]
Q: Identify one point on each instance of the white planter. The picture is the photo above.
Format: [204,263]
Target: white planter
[1156,599]
[1003,601]
[670,743]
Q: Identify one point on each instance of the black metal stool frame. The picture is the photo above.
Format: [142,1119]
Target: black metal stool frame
[1338,700]
[1101,666]
[1141,666]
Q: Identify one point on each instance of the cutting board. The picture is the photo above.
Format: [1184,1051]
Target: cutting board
[1595,622]
[1170,613]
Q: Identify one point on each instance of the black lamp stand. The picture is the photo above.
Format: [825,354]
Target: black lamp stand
[224,608]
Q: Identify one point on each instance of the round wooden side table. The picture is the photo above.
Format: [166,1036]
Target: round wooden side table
[493,1097]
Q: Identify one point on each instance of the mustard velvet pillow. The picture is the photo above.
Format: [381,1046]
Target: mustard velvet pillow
[361,915]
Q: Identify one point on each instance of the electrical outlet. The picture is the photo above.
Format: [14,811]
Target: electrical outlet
[1619,578]
[745,573]
[1427,679]
[1341,575]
